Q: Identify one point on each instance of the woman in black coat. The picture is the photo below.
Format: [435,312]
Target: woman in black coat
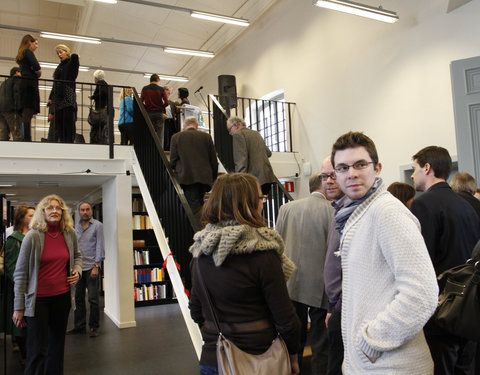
[63,96]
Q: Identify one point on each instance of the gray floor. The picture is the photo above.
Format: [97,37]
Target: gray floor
[160,344]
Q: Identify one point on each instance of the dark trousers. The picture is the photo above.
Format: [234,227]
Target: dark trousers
[64,125]
[318,336]
[80,314]
[169,131]
[46,335]
[194,194]
[157,121]
[126,133]
[452,355]
[335,343]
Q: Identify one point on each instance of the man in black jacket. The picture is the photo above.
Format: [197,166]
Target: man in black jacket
[450,227]
[10,107]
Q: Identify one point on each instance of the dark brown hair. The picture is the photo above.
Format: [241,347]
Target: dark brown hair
[438,158]
[354,140]
[234,196]
[24,45]
[402,191]
[315,182]
[20,212]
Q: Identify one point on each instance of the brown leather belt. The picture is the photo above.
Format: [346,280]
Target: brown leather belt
[257,325]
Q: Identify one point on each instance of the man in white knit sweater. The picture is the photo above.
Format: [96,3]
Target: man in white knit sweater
[389,285]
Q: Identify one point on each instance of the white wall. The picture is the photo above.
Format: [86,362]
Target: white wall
[350,73]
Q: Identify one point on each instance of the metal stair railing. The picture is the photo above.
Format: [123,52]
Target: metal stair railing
[278,195]
[177,219]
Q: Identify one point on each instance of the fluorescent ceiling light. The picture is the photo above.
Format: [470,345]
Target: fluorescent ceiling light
[46,88]
[107,1]
[8,184]
[218,18]
[190,52]
[167,77]
[357,9]
[48,65]
[74,38]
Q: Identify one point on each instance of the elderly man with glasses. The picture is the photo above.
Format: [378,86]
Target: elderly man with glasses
[389,284]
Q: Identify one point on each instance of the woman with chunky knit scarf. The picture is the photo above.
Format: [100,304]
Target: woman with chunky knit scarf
[244,269]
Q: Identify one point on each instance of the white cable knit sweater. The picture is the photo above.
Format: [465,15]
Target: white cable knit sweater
[389,289]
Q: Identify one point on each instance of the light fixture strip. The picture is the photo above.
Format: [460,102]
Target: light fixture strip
[358,9]
[48,65]
[190,52]
[167,77]
[218,18]
[107,1]
[74,38]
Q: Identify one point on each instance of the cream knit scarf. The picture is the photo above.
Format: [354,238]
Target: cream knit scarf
[228,237]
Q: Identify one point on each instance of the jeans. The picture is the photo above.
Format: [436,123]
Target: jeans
[86,282]
[209,370]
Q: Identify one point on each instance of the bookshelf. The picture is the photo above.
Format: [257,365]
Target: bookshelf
[151,283]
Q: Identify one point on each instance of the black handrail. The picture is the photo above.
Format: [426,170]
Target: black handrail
[278,195]
[177,219]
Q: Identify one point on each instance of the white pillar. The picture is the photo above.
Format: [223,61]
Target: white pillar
[118,273]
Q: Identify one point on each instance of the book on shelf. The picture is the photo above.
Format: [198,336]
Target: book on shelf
[138,205]
[142,222]
[150,292]
[148,275]
[141,257]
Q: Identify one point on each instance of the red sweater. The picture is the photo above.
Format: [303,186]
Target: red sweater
[52,276]
[154,98]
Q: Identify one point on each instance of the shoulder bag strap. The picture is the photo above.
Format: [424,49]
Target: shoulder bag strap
[209,299]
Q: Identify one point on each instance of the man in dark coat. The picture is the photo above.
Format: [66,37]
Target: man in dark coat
[194,161]
[450,227]
[11,107]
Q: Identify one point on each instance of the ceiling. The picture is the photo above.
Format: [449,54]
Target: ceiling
[133,21]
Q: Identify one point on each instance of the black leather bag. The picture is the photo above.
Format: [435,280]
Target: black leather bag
[458,310]
[97,118]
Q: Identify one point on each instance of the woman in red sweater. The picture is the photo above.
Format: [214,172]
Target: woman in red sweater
[48,265]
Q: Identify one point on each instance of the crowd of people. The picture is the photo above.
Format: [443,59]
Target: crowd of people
[20,101]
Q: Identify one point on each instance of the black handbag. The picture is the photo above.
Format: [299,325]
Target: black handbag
[97,118]
[458,310]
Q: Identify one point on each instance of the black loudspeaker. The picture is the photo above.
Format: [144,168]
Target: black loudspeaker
[227,91]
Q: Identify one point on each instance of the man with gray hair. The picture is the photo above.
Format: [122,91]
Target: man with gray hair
[250,153]
[304,225]
[91,245]
[194,161]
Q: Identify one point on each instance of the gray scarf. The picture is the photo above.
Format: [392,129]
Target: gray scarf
[228,237]
[345,206]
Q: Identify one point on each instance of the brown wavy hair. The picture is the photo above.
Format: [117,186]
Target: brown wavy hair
[24,45]
[20,212]
[38,221]
[234,196]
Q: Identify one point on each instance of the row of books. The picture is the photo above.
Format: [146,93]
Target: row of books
[138,205]
[141,222]
[148,275]
[150,292]
[141,257]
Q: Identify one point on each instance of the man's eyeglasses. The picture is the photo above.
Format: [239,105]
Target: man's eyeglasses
[325,176]
[359,165]
[263,198]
